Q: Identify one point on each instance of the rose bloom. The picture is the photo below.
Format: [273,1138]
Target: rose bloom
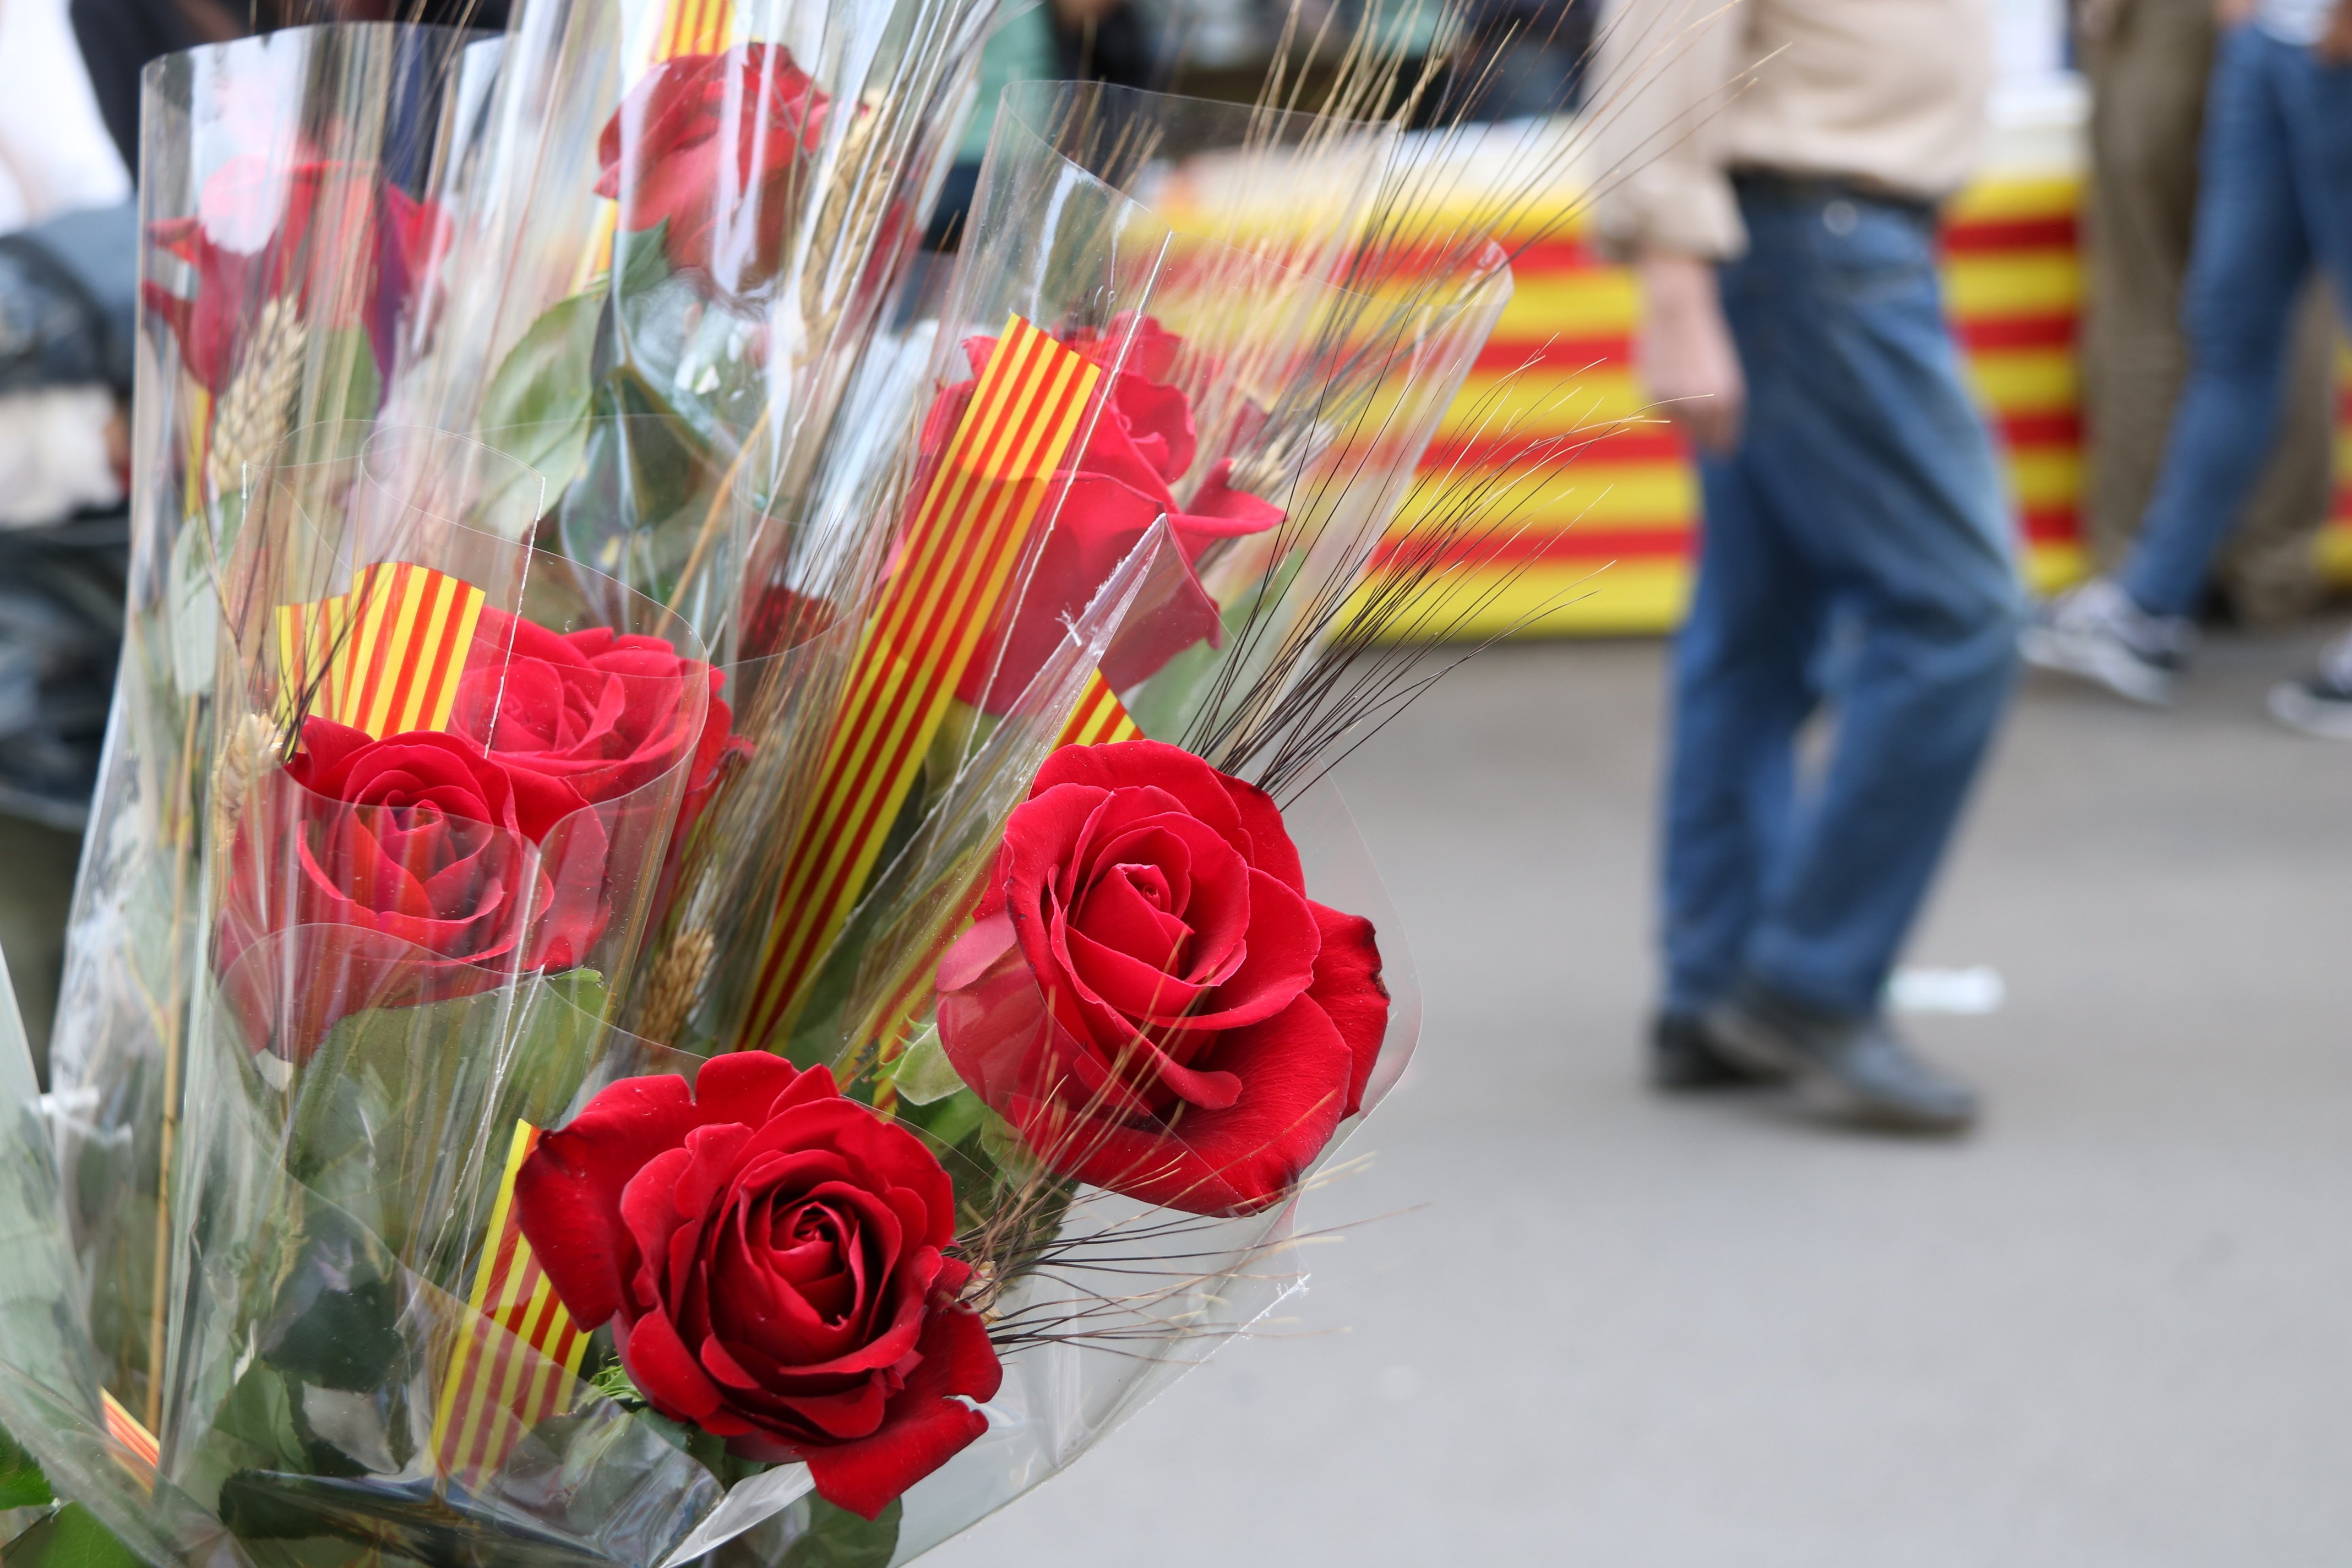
[406,870]
[715,147]
[1147,993]
[346,245]
[770,1257]
[1142,442]
[607,714]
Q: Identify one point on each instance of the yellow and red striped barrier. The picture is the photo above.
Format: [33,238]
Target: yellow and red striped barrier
[1614,540]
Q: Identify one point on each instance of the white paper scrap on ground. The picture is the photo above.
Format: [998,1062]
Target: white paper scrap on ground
[749,1501]
[1966,993]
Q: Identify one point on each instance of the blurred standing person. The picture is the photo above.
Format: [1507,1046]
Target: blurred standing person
[2149,62]
[1519,59]
[1779,163]
[2275,204]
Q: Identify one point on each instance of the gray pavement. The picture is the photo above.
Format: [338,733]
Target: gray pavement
[2111,1328]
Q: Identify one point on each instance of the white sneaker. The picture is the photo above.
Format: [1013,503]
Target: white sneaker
[2321,702]
[2097,633]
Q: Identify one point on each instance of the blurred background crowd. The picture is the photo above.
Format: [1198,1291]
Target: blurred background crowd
[1967,328]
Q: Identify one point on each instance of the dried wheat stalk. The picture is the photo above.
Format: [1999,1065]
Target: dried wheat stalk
[253,412]
[677,981]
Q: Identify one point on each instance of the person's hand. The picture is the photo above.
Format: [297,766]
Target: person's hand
[2335,45]
[1685,350]
[2228,14]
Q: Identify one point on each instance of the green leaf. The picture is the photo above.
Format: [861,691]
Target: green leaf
[641,259]
[255,1509]
[22,1484]
[349,386]
[195,615]
[536,408]
[345,1337]
[821,1536]
[837,1538]
[375,1109]
[69,1538]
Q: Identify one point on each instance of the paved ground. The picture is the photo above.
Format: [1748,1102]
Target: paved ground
[1629,1333]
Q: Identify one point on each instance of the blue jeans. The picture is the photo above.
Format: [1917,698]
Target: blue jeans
[2274,196]
[1856,553]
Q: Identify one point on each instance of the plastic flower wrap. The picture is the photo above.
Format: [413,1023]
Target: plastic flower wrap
[690,217]
[296,193]
[737,867]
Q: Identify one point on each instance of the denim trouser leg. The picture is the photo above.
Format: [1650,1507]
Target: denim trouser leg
[1864,498]
[2275,190]
[1742,680]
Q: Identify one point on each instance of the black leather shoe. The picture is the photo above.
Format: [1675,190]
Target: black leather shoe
[1858,1068]
[1683,1054]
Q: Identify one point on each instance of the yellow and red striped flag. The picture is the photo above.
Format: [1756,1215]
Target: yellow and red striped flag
[695,27]
[385,658]
[1100,718]
[136,1449]
[966,535]
[516,1357]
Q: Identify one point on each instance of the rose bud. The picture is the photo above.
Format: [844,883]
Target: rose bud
[713,146]
[1148,995]
[770,1257]
[1140,442]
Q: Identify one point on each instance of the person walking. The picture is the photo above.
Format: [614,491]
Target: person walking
[2150,62]
[1776,169]
[2275,204]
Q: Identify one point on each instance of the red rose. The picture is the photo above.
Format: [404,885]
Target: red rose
[367,850]
[1142,442]
[714,146]
[1147,993]
[605,713]
[769,1255]
[351,246]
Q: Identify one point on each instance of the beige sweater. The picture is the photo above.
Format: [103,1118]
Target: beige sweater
[1887,93]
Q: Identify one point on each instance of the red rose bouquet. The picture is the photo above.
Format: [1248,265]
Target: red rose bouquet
[707,920]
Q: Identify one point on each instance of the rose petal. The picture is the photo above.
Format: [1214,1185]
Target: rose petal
[1294,1069]
[927,1424]
[568,1192]
[1348,989]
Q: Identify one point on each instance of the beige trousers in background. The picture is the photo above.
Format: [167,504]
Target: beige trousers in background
[2148,61]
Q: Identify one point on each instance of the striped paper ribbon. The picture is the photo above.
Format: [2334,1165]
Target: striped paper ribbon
[136,1449]
[518,1353]
[385,658]
[966,535]
[695,27]
[1100,718]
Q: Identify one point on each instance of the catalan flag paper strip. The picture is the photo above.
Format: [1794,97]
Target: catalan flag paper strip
[137,1450]
[385,658]
[1100,718]
[966,535]
[695,27]
[517,1354]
